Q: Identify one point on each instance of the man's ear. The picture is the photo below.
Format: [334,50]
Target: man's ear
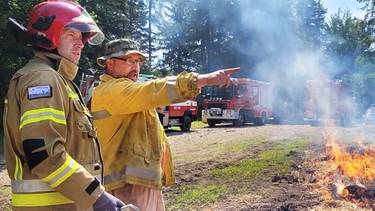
[110,62]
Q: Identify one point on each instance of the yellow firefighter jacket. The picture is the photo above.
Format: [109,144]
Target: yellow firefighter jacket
[52,155]
[129,129]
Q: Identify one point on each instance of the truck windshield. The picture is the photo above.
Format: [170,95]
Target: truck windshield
[215,91]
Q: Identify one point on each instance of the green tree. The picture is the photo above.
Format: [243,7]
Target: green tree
[117,19]
[349,45]
[310,16]
[347,39]
[12,55]
[199,35]
[367,61]
[215,30]
[173,38]
[363,83]
[369,8]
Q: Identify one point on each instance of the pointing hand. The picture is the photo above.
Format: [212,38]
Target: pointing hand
[219,77]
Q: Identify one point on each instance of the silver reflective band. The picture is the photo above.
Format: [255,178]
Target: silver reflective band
[30,186]
[132,171]
[100,114]
[99,178]
[142,173]
[35,186]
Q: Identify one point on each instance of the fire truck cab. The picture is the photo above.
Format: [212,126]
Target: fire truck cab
[244,101]
[328,100]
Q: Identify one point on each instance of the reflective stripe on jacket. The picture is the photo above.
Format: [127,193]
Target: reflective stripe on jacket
[34,193]
[129,128]
[55,116]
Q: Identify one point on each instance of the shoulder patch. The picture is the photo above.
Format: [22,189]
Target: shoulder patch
[35,92]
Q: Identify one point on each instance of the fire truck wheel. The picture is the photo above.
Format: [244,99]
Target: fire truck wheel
[186,123]
[211,122]
[261,120]
[240,121]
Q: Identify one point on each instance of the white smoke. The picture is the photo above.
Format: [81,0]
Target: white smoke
[281,56]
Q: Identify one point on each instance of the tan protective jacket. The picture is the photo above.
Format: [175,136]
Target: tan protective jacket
[50,145]
[129,129]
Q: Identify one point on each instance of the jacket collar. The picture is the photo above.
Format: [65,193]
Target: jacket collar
[63,66]
[105,77]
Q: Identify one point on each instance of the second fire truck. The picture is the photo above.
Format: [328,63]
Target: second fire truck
[328,100]
[244,101]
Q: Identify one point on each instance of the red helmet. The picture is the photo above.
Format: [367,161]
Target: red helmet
[48,19]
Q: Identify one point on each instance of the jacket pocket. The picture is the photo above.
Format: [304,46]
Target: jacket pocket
[147,152]
[83,120]
[86,140]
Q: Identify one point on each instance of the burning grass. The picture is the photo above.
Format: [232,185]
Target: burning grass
[350,171]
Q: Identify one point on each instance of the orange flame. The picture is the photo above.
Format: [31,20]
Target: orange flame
[351,171]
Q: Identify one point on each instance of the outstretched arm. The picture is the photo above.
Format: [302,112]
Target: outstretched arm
[219,77]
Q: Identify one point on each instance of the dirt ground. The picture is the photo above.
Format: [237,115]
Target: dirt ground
[299,189]
[194,154]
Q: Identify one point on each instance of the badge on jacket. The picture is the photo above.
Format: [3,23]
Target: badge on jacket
[43,91]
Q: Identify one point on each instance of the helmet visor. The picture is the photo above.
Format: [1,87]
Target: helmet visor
[86,24]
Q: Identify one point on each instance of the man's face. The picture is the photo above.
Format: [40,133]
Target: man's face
[70,45]
[125,66]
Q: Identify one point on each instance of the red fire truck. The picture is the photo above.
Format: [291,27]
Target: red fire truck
[179,114]
[87,84]
[244,101]
[328,100]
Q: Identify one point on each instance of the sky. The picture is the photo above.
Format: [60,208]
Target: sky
[334,5]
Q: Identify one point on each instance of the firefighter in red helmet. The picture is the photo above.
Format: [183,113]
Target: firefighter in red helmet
[48,19]
[52,155]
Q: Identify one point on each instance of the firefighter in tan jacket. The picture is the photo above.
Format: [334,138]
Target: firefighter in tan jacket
[136,154]
[52,154]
